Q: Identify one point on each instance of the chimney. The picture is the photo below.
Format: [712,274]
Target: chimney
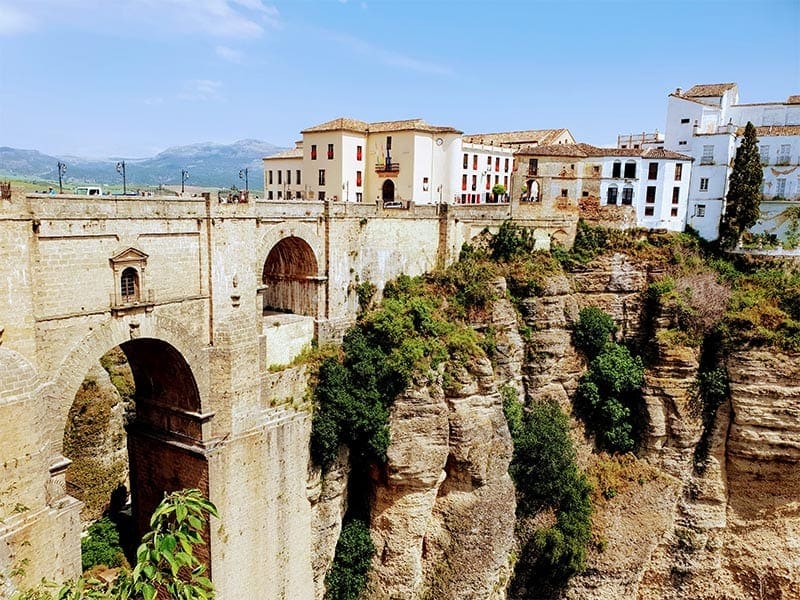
[678,91]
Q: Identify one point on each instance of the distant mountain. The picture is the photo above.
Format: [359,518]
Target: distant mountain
[208,164]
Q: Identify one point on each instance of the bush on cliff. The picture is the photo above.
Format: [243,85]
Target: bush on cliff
[593,331]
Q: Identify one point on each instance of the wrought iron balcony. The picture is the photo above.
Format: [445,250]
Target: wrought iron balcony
[387,167]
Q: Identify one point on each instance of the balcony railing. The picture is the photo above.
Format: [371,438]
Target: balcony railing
[389,167]
[783,160]
[707,160]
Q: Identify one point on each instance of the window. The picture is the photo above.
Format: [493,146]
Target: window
[682,143]
[463,198]
[684,121]
[708,155]
[474,162]
[359,196]
[616,170]
[673,211]
[388,143]
[330,151]
[611,197]
[358,178]
[463,182]
[129,285]
[780,186]
[313,152]
[466,160]
[270,178]
[704,184]
[676,195]
[321,196]
[627,195]
[297,176]
[505,182]
[763,151]
[700,210]
[784,154]
[280,177]
[533,166]
[280,195]
[269,195]
[505,168]
[497,163]
[358,153]
[678,171]
[563,192]
[596,170]
[488,162]
[648,211]
[630,170]
[474,182]
[496,179]
[650,197]
[322,176]
[425,184]
[652,171]
[288,177]
[488,181]
[585,194]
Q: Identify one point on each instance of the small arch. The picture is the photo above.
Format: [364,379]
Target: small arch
[387,191]
[291,278]
[559,238]
[129,285]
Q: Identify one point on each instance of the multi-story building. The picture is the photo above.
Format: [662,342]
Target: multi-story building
[707,122]
[395,162]
[653,181]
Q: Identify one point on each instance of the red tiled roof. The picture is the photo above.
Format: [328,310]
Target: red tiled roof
[542,137]
[709,90]
[581,150]
[346,124]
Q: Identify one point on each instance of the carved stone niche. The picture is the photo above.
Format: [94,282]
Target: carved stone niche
[130,292]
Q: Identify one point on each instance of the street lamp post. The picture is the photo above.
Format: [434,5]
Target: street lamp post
[184,177]
[62,168]
[121,171]
[243,175]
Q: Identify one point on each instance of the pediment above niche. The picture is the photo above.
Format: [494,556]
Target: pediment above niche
[129,255]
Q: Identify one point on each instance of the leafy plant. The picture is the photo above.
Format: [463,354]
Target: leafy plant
[593,331]
[348,575]
[101,545]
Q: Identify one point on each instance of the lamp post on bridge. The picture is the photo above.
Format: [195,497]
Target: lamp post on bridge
[184,177]
[62,168]
[243,175]
[121,171]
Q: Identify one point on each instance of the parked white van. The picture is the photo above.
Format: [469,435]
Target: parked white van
[89,191]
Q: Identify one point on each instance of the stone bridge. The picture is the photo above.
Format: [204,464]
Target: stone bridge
[210,303]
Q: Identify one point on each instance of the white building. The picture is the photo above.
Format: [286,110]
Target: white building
[395,162]
[654,181]
[707,122]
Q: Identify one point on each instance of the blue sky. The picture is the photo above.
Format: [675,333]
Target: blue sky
[132,77]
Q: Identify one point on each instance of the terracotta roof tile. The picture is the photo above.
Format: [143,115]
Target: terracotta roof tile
[709,90]
[581,150]
[291,153]
[768,130]
[793,99]
[342,123]
[542,137]
[345,124]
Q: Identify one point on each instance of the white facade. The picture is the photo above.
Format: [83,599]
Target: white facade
[283,175]
[706,122]
[482,167]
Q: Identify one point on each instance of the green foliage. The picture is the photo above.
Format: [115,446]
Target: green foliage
[511,241]
[101,545]
[743,201]
[365,292]
[546,476]
[498,189]
[593,331]
[713,388]
[166,566]
[348,574]
[609,397]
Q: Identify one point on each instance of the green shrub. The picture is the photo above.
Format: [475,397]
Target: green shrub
[511,241]
[593,331]
[348,574]
[101,545]
[609,397]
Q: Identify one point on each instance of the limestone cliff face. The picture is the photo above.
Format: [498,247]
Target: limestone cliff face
[443,511]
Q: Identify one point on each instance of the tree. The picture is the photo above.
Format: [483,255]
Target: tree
[593,331]
[743,202]
[498,190]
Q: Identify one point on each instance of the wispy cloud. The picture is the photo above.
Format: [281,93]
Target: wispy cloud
[201,90]
[14,21]
[229,54]
[388,57]
[224,18]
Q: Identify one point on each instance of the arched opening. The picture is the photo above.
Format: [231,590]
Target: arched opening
[129,286]
[290,278]
[387,191]
[133,433]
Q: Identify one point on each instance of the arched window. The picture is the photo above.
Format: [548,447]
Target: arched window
[616,169]
[388,190]
[129,285]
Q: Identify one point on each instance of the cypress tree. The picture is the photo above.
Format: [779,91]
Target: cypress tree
[744,190]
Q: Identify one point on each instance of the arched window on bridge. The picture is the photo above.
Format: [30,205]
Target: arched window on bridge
[129,286]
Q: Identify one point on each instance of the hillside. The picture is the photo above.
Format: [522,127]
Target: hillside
[209,164]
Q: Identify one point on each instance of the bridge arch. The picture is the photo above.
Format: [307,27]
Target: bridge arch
[291,276]
[165,433]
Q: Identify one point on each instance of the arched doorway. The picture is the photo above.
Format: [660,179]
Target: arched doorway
[291,278]
[150,445]
[387,192]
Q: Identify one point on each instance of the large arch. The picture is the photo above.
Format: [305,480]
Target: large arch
[290,278]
